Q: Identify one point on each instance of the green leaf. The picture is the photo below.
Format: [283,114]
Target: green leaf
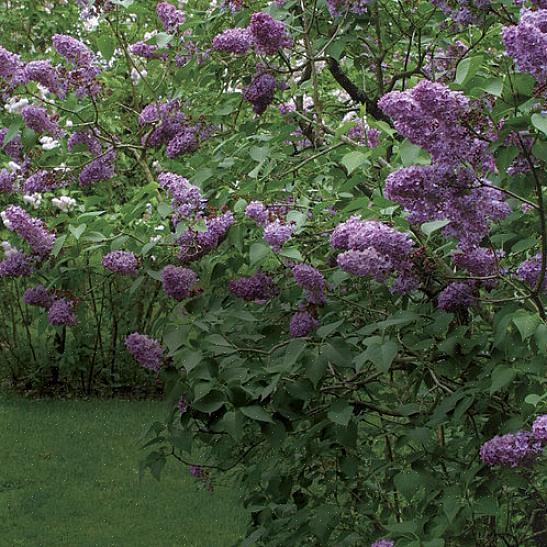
[540,122]
[340,412]
[58,245]
[162,39]
[380,354]
[410,153]
[256,413]
[258,252]
[77,231]
[259,153]
[430,227]
[106,46]
[526,323]
[210,402]
[501,376]
[467,68]
[408,483]
[189,359]
[12,131]
[493,86]
[353,160]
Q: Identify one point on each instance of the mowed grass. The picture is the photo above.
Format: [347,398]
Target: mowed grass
[69,476]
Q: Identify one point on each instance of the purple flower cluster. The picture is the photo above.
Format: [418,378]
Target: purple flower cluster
[259,287]
[87,139]
[303,323]
[195,244]
[146,351]
[432,116]
[7,180]
[435,193]
[147,51]
[61,313]
[15,264]
[32,230]
[276,234]
[373,249]
[11,67]
[186,199]
[172,128]
[42,181]
[529,272]
[511,450]
[38,296]
[479,261]
[463,12]
[99,169]
[264,33]
[539,428]
[233,40]
[37,119]
[121,262]
[340,7]
[526,42]
[312,281]
[457,297]
[383,543]
[178,283]
[83,76]
[258,212]
[171,18]
[260,92]
[14,148]
[47,75]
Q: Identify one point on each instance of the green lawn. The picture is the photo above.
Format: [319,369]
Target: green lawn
[69,476]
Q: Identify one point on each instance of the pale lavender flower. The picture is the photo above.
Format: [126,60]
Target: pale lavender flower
[61,313]
[146,351]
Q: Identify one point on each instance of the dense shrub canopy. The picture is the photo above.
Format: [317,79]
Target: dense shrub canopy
[320,224]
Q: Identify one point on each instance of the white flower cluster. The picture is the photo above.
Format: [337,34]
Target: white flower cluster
[48,143]
[35,200]
[64,203]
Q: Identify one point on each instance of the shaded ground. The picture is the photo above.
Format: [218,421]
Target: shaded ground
[69,476]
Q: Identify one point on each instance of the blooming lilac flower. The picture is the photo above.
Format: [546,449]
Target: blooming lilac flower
[101,168]
[61,313]
[7,180]
[197,471]
[121,262]
[269,35]
[32,230]
[529,272]
[184,142]
[361,132]
[37,119]
[302,324]
[146,351]
[539,428]
[259,287]
[73,50]
[178,282]
[432,116]
[526,42]
[233,40]
[41,181]
[147,51]
[14,148]
[277,234]
[456,297]
[10,66]
[38,296]
[194,245]
[478,261]
[312,281]
[15,264]
[45,74]
[511,450]
[339,7]
[383,543]
[87,139]
[183,405]
[366,263]
[171,18]
[186,198]
[258,212]
[260,92]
